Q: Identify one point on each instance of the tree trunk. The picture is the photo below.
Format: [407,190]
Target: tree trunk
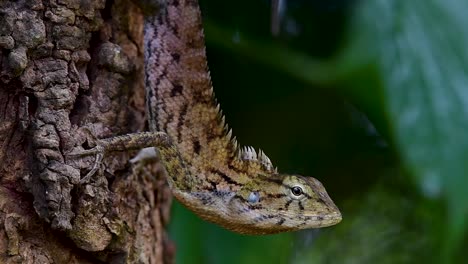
[72,71]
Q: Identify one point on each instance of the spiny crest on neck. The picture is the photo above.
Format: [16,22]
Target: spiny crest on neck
[246,153]
[176,45]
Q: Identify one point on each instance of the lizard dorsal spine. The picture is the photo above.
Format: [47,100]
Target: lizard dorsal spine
[234,187]
[180,95]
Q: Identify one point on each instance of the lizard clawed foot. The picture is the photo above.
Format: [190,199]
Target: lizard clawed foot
[99,152]
[124,143]
[97,164]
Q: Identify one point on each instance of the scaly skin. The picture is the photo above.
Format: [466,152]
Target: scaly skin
[182,104]
[209,173]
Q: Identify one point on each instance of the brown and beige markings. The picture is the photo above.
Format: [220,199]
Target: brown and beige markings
[209,173]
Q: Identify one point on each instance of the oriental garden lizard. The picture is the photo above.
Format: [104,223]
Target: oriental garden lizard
[208,172]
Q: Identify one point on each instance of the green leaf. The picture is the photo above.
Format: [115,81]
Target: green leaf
[422,59]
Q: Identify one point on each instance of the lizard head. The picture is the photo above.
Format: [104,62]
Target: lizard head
[266,205]
[278,203]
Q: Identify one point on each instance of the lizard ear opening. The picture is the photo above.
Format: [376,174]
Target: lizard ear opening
[254,197]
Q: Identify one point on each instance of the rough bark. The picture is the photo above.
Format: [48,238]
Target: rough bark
[71,71]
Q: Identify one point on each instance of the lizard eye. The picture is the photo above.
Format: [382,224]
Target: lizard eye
[297,190]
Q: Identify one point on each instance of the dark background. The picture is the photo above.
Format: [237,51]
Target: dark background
[371,98]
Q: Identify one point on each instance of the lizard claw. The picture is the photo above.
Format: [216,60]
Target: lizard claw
[99,152]
[97,164]
[87,152]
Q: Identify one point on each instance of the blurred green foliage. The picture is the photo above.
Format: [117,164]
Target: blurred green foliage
[371,98]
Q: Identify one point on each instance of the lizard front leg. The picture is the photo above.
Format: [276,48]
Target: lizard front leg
[121,143]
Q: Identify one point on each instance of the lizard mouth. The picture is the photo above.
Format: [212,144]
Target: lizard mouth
[329,219]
